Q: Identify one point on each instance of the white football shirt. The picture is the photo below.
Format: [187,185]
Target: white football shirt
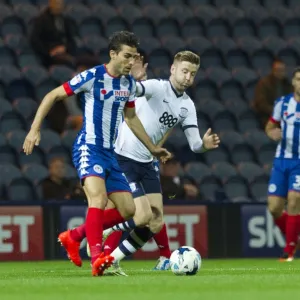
[160,108]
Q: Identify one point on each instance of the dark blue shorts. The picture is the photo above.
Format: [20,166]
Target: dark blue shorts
[90,160]
[143,178]
[285,177]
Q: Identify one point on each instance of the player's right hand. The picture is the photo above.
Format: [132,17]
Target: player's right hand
[161,153]
[275,134]
[32,139]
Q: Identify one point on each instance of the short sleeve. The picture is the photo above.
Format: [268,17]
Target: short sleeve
[188,117]
[132,95]
[276,115]
[147,87]
[82,82]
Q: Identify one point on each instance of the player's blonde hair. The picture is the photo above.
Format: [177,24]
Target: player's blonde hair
[188,56]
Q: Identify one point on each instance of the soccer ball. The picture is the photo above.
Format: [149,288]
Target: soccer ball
[185,261]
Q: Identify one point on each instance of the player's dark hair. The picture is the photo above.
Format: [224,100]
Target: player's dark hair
[188,56]
[277,61]
[120,38]
[296,70]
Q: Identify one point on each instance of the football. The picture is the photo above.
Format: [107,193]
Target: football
[185,261]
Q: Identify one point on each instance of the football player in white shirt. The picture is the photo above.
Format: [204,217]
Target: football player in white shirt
[167,105]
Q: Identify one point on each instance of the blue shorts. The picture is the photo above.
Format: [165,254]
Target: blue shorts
[285,177]
[89,160]
[143,178]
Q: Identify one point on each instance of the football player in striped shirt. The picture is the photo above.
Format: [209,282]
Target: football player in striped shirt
[107,91]
[284,127]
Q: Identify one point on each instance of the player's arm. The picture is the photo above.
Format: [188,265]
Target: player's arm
[147,88]
[80,83]
[272,128]
[138,129]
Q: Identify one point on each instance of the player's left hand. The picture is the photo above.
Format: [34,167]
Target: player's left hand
[210,141]
[162,153]
[139,69]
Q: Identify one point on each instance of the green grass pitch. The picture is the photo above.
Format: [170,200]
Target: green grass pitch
[218,279]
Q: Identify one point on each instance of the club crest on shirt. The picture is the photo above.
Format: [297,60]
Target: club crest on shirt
[183,112]
[98,169]
[124,81]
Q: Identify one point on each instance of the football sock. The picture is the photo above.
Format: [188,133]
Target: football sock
[281,222]
[78,233]
[292,231]
[94,231]
[125,226]
[136,240]
[162,242]
[112,242]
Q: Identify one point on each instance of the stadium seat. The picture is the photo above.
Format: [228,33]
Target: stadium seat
[16,139]
[180,13]
[61,74]
[199,44]
[192,27]
[9,73]
[237,58]
[236,106]
[9,173]
[58,151]
[7,56]
[130,12]
[242,153]
[173,44]
[194,3]
[118,3]
[256,13]
[250,171]
[224,120]
[162,73]
[160,58]
[198,171]
[265,154]
[143,3]
[269,27]
[177,138]
[224,43]
[212,57]
[5,11]
[149,44]
[218,75]
[8,155]
[249,44]
[217,28]
[37,156]
[236,190]
[201,75]
[231,90]
[77,12]
[25,106]
[20,88]
[206,13]
[208,189]
[35,172]
[168,3]
[28,59]
[231,13]
[103,12]
[271,4]
[289,56]
[243,28]
[143,27]
[231,139]
[166,28]
[11,121]
[18,2]
[291,28]
[215,156]
[5,106]
[115,24]
[94,43]
[26,11]
[281,12]
[244,76]
[49,139]
[68,137]
[2,140]
[247,122]
[259,189]
[21,189]
[71,172]
[91,26]
[257,138]
[12,25]
[223,171]
[274,44]
[209,107]
[292,3]
[45,87]
[35,74]
[262,59]
[203,120]
[155,12]
[220,3]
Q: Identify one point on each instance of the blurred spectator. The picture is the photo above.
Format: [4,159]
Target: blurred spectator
[55,38]
[175,186]
[56,186]
[269,89]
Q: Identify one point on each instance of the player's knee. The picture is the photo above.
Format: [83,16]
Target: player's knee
[293,206]
[144,217]
[128,210]
[275,206]
[156,224]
